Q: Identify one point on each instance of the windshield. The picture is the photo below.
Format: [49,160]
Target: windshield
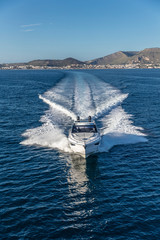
[84,128]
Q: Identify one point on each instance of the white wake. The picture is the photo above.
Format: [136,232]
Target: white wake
[82,94]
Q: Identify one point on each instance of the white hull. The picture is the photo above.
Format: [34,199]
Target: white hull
[84,149]
[84,138]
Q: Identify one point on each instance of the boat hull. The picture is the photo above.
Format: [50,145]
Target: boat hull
[84,139]
[85,150]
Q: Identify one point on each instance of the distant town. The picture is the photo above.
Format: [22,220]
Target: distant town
[77,66]
[148,58]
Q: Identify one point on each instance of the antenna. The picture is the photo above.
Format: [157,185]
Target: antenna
[89,119]
[78,118]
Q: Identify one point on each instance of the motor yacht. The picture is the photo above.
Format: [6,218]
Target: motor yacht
[84,138]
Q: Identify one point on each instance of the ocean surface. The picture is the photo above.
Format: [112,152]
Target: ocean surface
[46,192]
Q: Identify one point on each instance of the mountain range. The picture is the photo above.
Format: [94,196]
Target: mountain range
[147,56]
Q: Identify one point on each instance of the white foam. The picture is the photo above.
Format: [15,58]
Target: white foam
[47,135]
[119,129]
[111,103]
[83,104]
[59,108]
[83,94]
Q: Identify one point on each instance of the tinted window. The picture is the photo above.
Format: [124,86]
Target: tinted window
[83,128]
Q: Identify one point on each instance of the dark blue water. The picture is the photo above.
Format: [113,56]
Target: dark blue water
[48,193]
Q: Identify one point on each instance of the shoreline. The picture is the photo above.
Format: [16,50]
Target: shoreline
[79,67]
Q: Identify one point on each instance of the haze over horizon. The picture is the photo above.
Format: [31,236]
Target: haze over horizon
[85,30]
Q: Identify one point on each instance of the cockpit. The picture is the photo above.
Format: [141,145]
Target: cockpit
[84,129]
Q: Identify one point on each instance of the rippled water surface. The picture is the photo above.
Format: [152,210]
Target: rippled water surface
[49,193]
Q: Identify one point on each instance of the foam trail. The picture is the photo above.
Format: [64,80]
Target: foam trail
[54,120]
[47,135]
[119,129]
[62,93]
[113,102]
[59,107]
[83,94]
[105,96]
[83,100]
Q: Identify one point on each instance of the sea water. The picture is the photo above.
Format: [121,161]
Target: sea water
[49,193]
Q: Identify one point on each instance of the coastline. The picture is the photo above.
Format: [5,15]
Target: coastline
[79,66]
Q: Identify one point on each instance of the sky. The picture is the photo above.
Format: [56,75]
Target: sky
[82,29]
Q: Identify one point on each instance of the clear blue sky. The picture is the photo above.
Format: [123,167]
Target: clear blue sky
[83,29]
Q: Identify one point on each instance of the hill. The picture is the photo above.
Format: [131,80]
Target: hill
[55,63]
[114,58]
[148,55]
